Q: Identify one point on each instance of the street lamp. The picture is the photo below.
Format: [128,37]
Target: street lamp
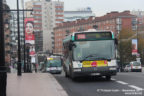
[24,37]
[3,73]
[19,49]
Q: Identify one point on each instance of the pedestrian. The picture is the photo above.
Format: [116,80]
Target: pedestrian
[35,67]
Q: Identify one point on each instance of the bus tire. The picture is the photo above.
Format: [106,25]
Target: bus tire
[66,74]
[108,78]
[72,76]
[140,70]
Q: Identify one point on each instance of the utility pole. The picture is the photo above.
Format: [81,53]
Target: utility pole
[3,74]
[19,47]
[24,36]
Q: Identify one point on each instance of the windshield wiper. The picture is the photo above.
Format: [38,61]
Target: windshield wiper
[96,58]
[92,55]
[103,58]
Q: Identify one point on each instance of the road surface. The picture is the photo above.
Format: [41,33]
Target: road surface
[124,84]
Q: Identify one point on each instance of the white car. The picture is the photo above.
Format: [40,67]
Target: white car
[135,66]
[127,68]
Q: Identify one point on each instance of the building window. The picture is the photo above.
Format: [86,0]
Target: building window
[118,21]
[119,27]
[134,28]
[134,21]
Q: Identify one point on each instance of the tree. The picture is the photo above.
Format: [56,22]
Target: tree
[124,46]
[141,47]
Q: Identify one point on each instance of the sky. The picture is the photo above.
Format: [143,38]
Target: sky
[99,7]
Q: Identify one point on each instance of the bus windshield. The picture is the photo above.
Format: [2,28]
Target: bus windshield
[54,63]
[91,50]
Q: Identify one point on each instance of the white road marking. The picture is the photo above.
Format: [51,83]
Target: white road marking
[113,79]
[121,82]
[132,86]
[135,87]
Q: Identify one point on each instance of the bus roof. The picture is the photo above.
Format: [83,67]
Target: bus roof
[92,30]
[71,37]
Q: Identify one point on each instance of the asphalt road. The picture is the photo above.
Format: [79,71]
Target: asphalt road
[124,84]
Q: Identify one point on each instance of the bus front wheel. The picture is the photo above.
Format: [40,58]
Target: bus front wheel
[108,78]
[72,76]
[66,74]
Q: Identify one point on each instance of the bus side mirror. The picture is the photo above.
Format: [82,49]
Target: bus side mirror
[71,46]
[116,41]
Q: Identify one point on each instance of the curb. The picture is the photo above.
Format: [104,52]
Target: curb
[58,87]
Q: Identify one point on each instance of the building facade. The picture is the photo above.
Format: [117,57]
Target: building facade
[140,19]
[114,21]
[6,22]
[36,5]
[14,32]
[52,15]
[79,14]
[47,14]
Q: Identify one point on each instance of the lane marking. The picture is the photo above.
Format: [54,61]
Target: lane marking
[113,79]
[132,86]
[121,82]
[135,87]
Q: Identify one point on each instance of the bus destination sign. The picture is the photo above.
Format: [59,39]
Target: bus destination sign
[93,36]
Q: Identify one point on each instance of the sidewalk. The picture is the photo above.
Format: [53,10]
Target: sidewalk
[33,84]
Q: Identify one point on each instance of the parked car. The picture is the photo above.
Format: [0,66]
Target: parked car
[135,66]
[127,68]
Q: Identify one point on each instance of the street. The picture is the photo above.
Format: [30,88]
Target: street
[124,84]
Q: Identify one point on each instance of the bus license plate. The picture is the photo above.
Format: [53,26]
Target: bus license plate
[100,63]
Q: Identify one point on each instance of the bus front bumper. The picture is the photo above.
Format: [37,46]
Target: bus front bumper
[101,71]
[55,71]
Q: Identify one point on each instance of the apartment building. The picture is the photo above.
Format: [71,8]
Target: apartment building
[47,14]
[140,19]
[84,13]
[6,22]
[114,21]
[14,32]
[36,5]
[52,15]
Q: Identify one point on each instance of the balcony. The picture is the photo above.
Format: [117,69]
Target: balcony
[52,38]
[52,33]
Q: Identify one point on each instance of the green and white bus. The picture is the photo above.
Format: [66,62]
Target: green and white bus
[52,64]
[90,53]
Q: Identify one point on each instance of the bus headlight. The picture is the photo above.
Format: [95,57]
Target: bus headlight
[77,64]
[112,63]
